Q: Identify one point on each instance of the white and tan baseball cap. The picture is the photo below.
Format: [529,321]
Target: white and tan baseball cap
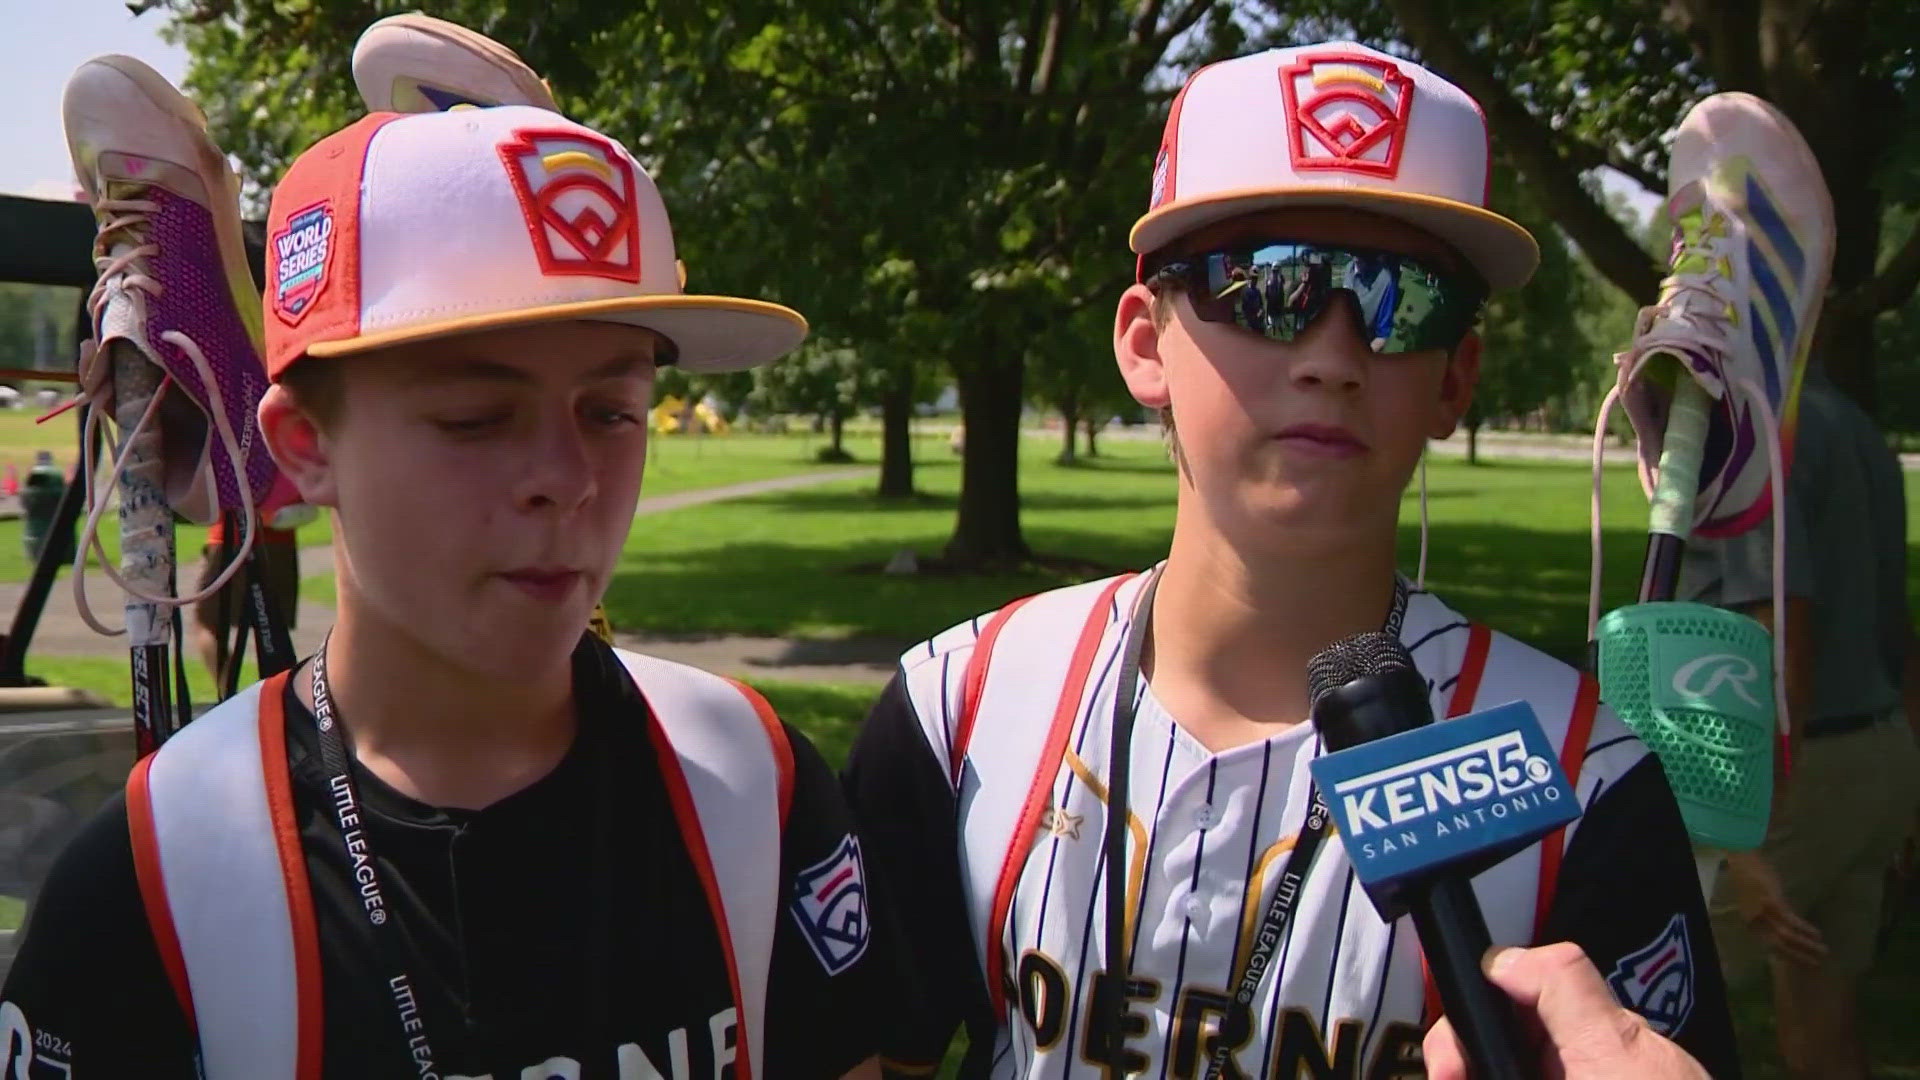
[405,228]
[1336,124]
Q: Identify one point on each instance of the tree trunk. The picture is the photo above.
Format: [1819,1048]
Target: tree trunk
[1473,444]
[987,530]
[1093,428]
[838,425]
[1844,342]
[896,439]
[1070,426]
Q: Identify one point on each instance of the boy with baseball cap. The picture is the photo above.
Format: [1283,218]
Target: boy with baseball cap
[1303,318]
[465,838]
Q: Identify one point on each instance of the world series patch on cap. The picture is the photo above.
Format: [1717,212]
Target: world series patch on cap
[407,228]
[1336,124]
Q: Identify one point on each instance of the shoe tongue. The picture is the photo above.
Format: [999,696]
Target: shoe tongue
[123,320]
[125,238]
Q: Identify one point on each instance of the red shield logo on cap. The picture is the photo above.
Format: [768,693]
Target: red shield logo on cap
[1346,111]
[577,191]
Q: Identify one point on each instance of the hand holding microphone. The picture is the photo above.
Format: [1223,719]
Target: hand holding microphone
[1423,807]
[1588,1036]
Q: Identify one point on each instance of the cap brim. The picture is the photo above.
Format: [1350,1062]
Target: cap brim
[711,333]
[1504,253]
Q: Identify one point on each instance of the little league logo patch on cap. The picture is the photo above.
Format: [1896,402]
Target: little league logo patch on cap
[577,192]
[301,253]
[1346,111]
[830,904]
[1657,981]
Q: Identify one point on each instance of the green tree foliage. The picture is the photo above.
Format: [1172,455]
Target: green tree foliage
[1072,372]
[36,326]
[824,380]
[1571,85]
[1536,348]
[956,161]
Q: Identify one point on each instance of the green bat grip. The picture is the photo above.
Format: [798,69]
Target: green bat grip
[1680,454]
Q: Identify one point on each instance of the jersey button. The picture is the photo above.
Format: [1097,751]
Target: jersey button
[1205,818]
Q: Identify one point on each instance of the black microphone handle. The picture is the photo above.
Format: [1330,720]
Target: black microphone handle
[1454,937]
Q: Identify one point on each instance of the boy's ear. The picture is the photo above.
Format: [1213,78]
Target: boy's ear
[1136,348]
[299,447]
[1457,384]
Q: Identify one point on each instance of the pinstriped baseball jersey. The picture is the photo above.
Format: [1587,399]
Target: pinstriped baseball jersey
[1208,837]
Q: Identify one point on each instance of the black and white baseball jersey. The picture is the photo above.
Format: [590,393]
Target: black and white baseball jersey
[561,933]
[981,792]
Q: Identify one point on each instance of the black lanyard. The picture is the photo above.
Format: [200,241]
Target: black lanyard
[1286,892]
[399,987]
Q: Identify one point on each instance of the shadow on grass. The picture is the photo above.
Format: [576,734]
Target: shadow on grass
[1116,465]
[1528,583]
[863,500]
[815,591]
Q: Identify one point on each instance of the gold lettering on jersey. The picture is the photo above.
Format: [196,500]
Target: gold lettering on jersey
[1399,1055]
[1300,1047]
[1044,997]
[1204,1021]
[1114,1058]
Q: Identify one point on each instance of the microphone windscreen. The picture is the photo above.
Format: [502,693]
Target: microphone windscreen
[1356,657]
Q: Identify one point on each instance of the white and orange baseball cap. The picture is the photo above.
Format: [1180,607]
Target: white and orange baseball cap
[405,228]
[1336,124]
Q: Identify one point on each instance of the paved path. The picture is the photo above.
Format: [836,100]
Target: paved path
[62,633]
[319,560]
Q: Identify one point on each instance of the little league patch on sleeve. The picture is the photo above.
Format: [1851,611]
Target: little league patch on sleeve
[1657,980]
[830,904]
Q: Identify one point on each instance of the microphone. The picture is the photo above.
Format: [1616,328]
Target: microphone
[1423,807]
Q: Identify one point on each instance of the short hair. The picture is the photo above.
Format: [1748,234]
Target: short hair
[1161,312]
[317,389]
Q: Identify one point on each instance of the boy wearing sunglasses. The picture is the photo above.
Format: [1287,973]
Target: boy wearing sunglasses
[1303,319]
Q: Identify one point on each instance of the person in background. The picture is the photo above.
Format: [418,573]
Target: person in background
[1806,905]
[215,616]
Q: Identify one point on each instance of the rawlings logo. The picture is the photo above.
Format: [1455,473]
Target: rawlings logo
[577,191]
[1737,672]
[1346,112]
[1657,981]
[301,252]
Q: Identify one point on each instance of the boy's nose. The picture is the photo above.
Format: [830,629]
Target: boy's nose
[1334,351]
[559,470]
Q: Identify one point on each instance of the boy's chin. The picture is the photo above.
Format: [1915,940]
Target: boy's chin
[527,636]
[1289,514]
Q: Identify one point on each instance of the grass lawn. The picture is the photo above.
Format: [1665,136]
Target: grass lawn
[1509,547]
[674,464]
